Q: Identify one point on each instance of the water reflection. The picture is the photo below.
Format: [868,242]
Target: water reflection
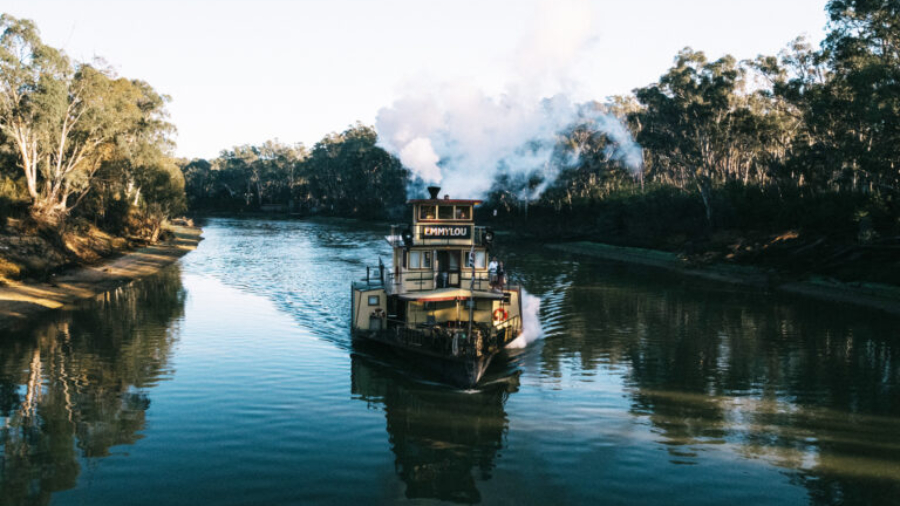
[647,389]
[810,387]
[444,441]
[75,386]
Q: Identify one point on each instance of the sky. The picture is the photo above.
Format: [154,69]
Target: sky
[242,72]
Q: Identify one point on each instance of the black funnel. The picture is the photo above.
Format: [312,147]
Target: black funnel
[434,191]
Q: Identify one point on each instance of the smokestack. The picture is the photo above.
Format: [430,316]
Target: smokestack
[434,191]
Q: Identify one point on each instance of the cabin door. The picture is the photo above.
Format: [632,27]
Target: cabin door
[448,263]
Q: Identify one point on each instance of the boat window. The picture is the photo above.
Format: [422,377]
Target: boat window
[463,212]
[419,259]
[445,212]
[480,258]
[374,300]
[426,212]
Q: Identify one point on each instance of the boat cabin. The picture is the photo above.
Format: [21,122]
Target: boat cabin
[437,288]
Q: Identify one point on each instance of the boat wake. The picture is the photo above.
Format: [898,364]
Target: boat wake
[531,321]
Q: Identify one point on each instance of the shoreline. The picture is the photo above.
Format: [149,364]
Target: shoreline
[884,298]
[21,302]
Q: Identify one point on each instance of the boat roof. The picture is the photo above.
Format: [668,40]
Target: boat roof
[445,294]
[444,201]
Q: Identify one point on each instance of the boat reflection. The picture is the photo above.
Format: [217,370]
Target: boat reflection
[445,441]
[75,385]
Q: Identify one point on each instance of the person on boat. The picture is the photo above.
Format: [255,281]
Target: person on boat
[492,272]
[501,275]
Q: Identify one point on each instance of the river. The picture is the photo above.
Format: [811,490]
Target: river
[230,378]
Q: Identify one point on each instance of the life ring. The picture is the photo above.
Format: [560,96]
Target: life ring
[500,315]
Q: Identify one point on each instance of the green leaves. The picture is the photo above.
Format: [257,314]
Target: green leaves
[67,122]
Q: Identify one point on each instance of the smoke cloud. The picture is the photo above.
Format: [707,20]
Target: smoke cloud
[460,137]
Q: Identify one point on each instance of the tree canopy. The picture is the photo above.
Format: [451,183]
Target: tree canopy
[76,132]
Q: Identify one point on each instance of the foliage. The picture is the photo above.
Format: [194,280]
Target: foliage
[79,136]
[345,174]
[807,140]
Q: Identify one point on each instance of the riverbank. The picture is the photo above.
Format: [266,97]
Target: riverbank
[873,295]
[22,300]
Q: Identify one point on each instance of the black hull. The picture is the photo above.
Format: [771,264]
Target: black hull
[461,372]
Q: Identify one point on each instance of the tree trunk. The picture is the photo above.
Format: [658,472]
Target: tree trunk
[703,186]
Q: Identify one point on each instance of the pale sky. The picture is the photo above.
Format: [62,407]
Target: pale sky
[242,72]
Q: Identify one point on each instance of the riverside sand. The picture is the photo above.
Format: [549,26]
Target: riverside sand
[22,301]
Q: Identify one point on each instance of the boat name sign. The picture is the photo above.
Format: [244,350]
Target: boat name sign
[445,231]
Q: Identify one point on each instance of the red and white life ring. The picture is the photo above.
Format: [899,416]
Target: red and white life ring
[500,314]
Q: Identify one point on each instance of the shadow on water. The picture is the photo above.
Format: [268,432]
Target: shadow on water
[77,384]
[444,441]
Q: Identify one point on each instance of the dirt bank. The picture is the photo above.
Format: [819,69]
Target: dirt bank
[878,296]
[20,301]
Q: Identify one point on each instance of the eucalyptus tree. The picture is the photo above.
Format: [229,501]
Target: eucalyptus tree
[240,173]
[278,169]
[587,163]
[31,77]
[202,186]
[68,121]
[349,175]
[687,121]
[863,51]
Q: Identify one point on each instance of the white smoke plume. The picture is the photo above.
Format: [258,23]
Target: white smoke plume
[460,137]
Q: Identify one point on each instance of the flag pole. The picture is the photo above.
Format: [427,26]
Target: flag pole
[471,287]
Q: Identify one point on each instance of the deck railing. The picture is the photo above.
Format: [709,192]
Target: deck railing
[420,281]
[452,338]
[423,281]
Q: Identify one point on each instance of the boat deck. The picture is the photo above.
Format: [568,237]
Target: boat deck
[445,294]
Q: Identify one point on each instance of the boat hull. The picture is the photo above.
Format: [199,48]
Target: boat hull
[461,372]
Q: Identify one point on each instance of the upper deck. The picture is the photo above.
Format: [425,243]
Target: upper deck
[439,222]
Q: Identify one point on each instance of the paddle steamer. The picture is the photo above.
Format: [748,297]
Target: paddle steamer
[436,302]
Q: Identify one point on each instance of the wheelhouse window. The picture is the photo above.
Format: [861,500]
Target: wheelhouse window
[480,260]
[420,260]
[427,212]
[374,300]
[444,212]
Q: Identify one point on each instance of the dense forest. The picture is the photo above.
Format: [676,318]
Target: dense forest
[345,174]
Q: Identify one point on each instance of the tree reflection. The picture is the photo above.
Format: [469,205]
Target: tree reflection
[445,441]
[795,383]
[74,387]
